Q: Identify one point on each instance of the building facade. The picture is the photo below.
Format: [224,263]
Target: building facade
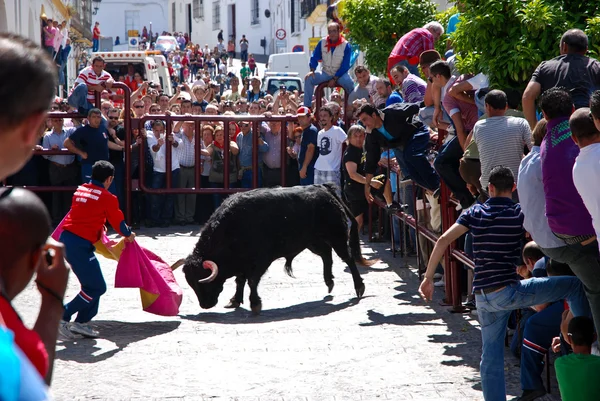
[117,17]
[26,18]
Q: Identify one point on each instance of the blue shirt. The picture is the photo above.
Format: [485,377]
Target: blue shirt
[244,142]
[451,28]
[318,55]
[52,138]
[497,229]
[532,198]
[93,141]
[384,132]
[539,268]
[309,135]
[395,97]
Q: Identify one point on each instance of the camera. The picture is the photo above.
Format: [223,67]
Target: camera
[151,85]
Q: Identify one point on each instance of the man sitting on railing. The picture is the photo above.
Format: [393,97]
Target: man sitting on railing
[335,53]
[90,79]
[497,228]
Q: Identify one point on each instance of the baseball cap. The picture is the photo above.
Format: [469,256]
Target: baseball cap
[303,111]
[185,96]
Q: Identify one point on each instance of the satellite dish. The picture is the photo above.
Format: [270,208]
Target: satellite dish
[267,13]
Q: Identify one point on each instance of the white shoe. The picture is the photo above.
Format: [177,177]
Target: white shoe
[83,329]
[440,283]
[64,334]
[437,276]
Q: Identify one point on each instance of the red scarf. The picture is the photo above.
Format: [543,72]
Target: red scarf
[329,45]
[217,145]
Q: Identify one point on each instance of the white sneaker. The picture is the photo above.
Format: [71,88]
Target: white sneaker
[64,334]
[437,276]
[83,329]
[440,283]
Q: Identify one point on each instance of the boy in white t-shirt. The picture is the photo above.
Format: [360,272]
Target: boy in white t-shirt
[329,142]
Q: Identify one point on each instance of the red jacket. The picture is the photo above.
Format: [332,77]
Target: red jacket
[92,205]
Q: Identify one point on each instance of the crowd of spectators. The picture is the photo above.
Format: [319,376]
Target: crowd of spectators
[528,211]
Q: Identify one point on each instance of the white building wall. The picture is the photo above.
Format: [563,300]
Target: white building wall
[113,14]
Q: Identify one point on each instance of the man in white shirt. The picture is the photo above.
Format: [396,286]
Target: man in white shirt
[329,142]
[586,170]
[161,206]
[90,80]
[366,88]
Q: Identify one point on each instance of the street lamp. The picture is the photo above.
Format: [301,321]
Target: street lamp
[96,4]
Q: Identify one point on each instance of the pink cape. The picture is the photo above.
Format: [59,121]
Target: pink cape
[140,268]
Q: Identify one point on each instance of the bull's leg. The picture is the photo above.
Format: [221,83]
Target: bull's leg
[324,251]
[343,251]
[255,301]
[238,298]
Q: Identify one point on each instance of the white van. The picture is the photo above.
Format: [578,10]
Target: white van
[143,61]
[289,63]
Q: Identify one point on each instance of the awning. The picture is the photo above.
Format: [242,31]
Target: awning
[318,16]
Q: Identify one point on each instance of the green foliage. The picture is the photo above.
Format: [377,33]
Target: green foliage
[443,18]
[507,39]
[376,25]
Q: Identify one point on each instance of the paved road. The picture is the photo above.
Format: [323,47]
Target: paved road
[306,345]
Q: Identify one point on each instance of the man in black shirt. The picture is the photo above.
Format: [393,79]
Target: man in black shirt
[572,70]
[398,127]
[116,135]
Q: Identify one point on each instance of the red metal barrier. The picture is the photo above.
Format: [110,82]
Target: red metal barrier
[452,256]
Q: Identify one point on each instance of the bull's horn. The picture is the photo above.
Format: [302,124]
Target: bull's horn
[177,264]
[212,266]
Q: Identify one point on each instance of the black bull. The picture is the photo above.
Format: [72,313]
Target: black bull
[252,229]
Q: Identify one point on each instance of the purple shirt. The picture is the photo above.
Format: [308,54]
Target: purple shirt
[564,207]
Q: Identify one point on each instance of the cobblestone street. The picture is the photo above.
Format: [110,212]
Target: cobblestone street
[305,345]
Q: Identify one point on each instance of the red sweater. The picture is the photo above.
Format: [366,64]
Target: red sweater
[27,340]
[92,205]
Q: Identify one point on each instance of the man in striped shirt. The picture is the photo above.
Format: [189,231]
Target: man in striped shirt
[90,80]
[497,229]
[412,86]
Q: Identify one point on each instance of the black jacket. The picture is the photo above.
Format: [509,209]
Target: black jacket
[401,121]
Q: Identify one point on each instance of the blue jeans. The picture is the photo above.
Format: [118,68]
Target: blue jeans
[447,165]
[540,329]
[119,183]
[494,310]
[244,55]
[95,45]
[318,78]
[247,179]
[79,99]
[413,69]
[310,177]
[161,205]
[415,164]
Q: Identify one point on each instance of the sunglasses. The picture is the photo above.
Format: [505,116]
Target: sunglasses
[244,125]
[154,111]
[139,107]
[113,118]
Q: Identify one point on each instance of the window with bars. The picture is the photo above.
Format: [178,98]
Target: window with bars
[295,16]
[216,16]
[198,9]
[254,12]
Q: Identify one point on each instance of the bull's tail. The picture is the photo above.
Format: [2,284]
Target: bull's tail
[355,250]
[288,267]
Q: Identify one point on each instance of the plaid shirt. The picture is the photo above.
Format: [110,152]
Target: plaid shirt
[187,151]
[413,43]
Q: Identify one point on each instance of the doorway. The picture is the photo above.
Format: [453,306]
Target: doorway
[188,19]
[231,22]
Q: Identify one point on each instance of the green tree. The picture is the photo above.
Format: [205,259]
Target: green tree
[376,25]
[507,39]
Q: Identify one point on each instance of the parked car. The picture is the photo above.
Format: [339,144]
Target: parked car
[166,44]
